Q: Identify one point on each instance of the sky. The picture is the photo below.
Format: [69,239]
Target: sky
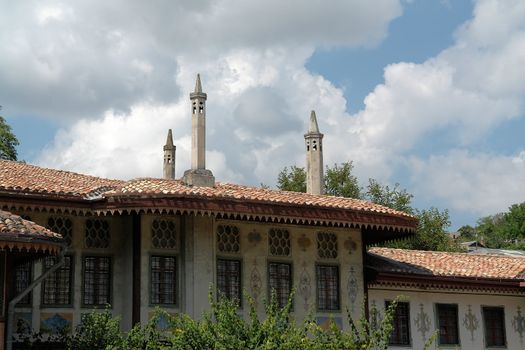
[427,94]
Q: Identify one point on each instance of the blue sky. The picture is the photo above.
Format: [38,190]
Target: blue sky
[429,94]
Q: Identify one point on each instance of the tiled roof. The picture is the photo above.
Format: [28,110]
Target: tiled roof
[21,178]
[17,176]
[16,232]
[150,186]
[418,262]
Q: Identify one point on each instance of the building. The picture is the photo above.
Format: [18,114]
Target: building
[21,243]
[150,242]
[475,301]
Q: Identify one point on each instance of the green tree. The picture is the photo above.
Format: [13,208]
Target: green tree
[504,230]
[8,141]
[467,233]
[395,197]
[340,182]
[293,179]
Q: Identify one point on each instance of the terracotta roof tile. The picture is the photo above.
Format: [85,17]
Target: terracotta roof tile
[14,228]
[19,176]
[25,178]
[450,264]
[231,191]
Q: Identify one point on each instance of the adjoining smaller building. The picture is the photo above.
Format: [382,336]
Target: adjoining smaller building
[475,301]
[21,242]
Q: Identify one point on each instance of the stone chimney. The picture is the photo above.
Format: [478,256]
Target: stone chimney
[169,157]
[198,175]
[314,158]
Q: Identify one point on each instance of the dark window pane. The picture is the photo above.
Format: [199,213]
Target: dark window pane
[23,277]
[401,323]
[494,318]
[280,279]
[57,287]
[97,280]
[229,279]
[327,287]
[163,280]
[448,324]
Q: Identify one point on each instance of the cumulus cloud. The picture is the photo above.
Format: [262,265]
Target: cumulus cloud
[471,182]
[71,60]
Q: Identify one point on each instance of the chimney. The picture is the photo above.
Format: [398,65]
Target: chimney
[314,158]
[198,175]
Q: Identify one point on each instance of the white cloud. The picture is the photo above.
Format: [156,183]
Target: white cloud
[483,184]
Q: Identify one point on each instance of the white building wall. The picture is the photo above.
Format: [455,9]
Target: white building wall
[471,334]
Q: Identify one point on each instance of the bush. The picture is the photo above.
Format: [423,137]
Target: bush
[222,328]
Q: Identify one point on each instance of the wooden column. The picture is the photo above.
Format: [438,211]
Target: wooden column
[135,315]
[3,298]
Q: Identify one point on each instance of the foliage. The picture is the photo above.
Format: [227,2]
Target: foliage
[98,330]
[293,179]
[223,328]
[431,232]
[8,141]
[340,182]
[467,233]
[504,230]
[395,198]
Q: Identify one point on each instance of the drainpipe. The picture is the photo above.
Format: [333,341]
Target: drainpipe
[16,299]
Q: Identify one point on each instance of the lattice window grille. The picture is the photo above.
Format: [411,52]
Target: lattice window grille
[57,287]
[61,225]
[279,242]
[164,234]
[327,245]
[228,239]
[97,233]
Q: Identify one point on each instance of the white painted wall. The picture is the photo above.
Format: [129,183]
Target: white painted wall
[425,300]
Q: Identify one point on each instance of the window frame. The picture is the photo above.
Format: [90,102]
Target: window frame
[110,283]
[338,267]
[502,309]
[71,285]
[176,281]
[29,296]
[269,288]
[394,316]
[241,268]
[438,323]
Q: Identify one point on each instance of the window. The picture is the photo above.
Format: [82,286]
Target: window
[279,242]
[327,245]
[448,324]
[228,239]
[64,226]
[229,279]
[327,287]
[97,280]
[494,321]
[23,277]
[163,234]
[163,280]
[2,276]
[97,233]
[401,323]
[280,281]
[56,289]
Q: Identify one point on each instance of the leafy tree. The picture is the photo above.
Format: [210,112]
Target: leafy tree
[293,179]
[504,230]
[431,233]
[395,198]
[340,182]
[467,233]
[8,141]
